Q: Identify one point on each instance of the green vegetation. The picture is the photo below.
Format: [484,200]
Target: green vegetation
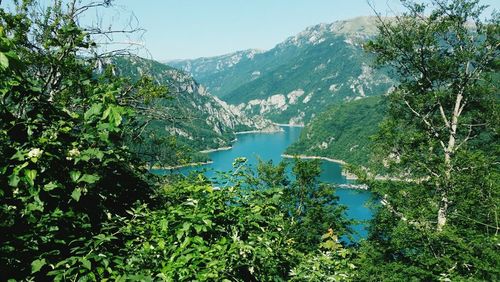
[315,71]
[75,204]
[441,136]
[242,233]
[219,73]
[343,132]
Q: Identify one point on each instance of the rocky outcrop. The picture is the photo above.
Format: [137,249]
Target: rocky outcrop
[323,65]
[202,118]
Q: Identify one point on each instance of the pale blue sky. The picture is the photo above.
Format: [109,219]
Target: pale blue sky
[179,29]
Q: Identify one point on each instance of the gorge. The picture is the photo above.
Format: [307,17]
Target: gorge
[362,149]
[270,147]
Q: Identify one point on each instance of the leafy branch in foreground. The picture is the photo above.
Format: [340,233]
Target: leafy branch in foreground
[76,205]
[440,139]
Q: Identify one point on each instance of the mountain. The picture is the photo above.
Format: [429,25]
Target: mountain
[343,131]
[214,71]
[298,78]
[197,119]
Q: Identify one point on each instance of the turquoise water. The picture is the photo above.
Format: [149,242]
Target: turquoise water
[270,146]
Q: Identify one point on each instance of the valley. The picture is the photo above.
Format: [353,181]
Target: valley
[299,79]
[197,120]
[363,148]
[255,147]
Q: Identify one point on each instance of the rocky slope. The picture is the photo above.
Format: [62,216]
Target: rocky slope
[198,120]
[213,71]
[300,77]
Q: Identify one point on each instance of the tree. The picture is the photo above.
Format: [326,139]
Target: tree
[439,137]
[64,175]
[312,206]
[76,205]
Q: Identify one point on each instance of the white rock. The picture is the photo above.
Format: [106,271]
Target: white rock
[294,95]
[333,88]
[308,98]
[323,146]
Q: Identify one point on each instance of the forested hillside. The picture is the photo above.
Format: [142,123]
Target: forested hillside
[189,118]
[302,76]
[78,203]
[343,132]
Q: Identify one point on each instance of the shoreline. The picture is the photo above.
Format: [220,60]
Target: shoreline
[306,157]
[216,149]
[259,131]
[347,175]
[289,125]
[181,166]
[354,186]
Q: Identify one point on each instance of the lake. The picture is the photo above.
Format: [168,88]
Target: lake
[270,146]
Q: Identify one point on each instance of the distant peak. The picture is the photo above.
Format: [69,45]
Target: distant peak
[249,53]
[359,25]
[356,27]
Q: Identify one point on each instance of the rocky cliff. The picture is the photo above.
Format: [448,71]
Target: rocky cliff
[300,77]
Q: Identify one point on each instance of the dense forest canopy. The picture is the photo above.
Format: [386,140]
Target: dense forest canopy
[78,203]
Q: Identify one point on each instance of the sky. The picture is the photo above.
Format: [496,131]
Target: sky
[186,29]
[181,29]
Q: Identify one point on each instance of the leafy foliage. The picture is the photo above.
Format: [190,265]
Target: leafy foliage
[237,233]
[76,205]
[64,172]
[313,206]
[438,219]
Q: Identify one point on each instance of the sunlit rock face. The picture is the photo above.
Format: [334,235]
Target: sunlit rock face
[300,77]
[196,114]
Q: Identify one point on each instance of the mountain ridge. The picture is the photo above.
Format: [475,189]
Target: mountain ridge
[200,121]
[302,75]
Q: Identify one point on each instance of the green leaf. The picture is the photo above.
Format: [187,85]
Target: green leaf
[14,180]
[330,245]
[50,186]
[36,265]
[86,263]
[93,153]
[164,225]
[106,113]
[4,61]
[113,113]
[75,175]
[76,194]
[88,178]
[30,175]
[19,155]
[104,136]
[116,116]
[95,109]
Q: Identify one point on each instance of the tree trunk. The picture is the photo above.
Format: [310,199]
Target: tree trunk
[442,212]
[444,201]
